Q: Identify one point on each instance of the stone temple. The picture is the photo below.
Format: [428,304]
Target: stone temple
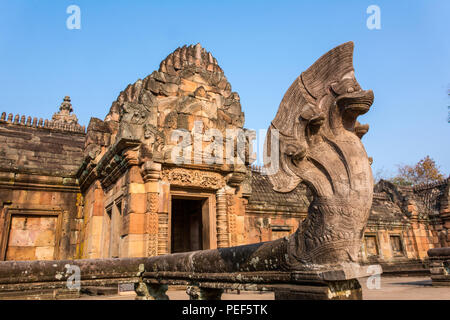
[113,190]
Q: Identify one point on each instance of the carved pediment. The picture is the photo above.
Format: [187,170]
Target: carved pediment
[188,87]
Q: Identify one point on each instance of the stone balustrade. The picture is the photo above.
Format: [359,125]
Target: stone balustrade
[40,123]
[57,279]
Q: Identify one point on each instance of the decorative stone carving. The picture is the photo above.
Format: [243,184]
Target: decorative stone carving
[152,202]
[193,178]
[196,293]
[439,262]
[151,171]
[222,221]
[235,179]
[64,115]
[188,87]
[163,233]
[152,229]
[320,147]
[147,291]
[133,117]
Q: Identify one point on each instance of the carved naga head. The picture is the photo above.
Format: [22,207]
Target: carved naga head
[319,140]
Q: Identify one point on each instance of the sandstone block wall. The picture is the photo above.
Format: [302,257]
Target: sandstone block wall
[40,199]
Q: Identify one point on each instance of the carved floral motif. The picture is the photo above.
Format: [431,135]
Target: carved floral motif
[194,178]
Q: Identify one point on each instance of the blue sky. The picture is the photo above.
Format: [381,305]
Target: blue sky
[261,45]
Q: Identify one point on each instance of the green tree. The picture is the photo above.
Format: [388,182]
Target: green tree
[425,171]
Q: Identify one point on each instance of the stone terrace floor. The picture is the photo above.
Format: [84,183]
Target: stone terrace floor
[392,288]
[406,288]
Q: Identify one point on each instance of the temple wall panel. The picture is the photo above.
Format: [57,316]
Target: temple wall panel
[36,207]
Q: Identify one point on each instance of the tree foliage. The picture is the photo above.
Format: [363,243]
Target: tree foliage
[425,171]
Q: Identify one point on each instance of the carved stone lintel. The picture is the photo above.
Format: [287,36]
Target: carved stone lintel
[146,291]
[193,178]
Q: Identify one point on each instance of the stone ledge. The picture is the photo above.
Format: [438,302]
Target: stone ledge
[24,181]
[439,252]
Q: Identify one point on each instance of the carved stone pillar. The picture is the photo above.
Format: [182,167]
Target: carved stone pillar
[146,291]
[163,218]
[439,262]
[151,173]
[222,221]
[235,208]
[196,293]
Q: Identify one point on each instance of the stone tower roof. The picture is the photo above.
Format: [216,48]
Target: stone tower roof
[190,56]
[188,87]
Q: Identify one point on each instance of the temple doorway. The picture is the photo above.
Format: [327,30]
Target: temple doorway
[187,225]
[192,221]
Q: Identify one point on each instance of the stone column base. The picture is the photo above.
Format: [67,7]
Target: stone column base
[440,266]
[196,293]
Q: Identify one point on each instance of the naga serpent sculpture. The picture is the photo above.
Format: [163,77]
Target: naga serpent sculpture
[319,145]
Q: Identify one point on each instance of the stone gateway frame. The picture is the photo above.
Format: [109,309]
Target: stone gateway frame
[208,215]
[34,213]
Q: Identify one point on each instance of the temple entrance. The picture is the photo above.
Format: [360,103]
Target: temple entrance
[187,225]
[192,221]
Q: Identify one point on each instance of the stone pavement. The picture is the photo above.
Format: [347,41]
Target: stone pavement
[391,288]
[405,288]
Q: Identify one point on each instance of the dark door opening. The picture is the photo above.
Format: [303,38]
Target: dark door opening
[187,225]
